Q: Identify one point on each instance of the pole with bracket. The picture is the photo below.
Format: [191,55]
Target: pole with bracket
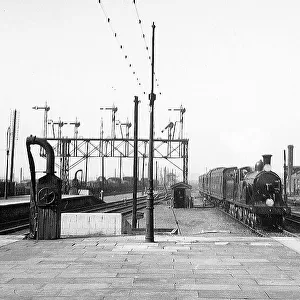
[150,199]
[135,163]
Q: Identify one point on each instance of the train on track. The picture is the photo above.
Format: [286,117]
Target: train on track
[252,196]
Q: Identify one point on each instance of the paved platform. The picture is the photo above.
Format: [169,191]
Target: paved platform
[174,267]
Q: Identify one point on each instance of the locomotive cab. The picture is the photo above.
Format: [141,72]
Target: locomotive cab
[240,178]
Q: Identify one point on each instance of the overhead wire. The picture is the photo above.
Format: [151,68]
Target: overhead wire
[145,42]
[121,46]
[142,31]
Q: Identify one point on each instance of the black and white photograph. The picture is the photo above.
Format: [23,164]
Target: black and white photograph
[149,149]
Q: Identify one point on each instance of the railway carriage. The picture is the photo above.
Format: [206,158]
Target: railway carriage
[203,184]
[221,183]
[216,183]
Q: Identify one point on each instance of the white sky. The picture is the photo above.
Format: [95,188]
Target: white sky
[234,65]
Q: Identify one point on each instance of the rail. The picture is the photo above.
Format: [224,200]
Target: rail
[294,219]
[279,232]
[122,206]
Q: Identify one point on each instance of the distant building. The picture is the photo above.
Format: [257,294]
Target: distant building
[295,181]
[128,180]
[171,178]
[99,179]
[114,180]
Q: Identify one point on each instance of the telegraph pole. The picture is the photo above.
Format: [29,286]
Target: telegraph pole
[102,154]
[6,188]
[120,174]
[86,164]
[156,169]
[13,146]
[135,163]
[150,199]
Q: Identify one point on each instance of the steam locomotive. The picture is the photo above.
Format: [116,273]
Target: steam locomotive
[252,196]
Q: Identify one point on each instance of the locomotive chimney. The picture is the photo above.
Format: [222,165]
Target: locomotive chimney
[290,167]
[267,162]
[267,159]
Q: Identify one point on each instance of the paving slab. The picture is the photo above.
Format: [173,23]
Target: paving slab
[8,239]
[174,267]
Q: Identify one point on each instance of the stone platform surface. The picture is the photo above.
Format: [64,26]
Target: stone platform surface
[173,267]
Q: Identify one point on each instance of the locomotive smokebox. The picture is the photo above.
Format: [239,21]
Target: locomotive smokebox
[267,162]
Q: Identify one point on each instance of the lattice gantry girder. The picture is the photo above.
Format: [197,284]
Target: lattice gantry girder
[117,147]
[82,149]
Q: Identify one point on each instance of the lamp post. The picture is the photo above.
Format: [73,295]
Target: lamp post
[150,199]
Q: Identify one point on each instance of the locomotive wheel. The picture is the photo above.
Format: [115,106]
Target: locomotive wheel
[252,220]
[230,209]
[247,218]
[244,214]
[240,214]
[280,221]
[227,207]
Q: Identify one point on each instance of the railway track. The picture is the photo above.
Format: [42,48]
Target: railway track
[294,218]
[293,224]
[239,221]
[13,226]
[122,206]
[276,232]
